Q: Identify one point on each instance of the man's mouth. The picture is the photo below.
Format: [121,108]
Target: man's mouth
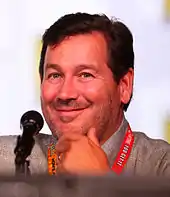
[69,109]
[68,115]
[69,112]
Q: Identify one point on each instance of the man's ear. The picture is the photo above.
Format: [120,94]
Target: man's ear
[126,86]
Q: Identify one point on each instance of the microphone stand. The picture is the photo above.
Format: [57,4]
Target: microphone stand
[22,151]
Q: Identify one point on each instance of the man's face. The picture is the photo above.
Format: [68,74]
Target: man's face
[78,90]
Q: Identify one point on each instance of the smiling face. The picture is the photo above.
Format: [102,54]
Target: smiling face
[78,90]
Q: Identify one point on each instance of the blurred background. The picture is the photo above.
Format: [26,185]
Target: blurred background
[22,24]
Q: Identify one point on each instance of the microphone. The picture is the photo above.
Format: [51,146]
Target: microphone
[31,123]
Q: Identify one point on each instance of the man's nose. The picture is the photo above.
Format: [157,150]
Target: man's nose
[68,90]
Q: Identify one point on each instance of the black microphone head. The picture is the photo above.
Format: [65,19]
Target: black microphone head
[34,118]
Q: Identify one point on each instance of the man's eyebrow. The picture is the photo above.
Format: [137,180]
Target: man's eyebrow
[85,66]
[53,66]
[77,68]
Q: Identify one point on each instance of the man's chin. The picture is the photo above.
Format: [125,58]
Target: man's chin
[70,129]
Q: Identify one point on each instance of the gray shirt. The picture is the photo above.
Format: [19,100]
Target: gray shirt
[148,156]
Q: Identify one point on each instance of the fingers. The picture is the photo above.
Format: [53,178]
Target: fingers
[62,146]
[61,168]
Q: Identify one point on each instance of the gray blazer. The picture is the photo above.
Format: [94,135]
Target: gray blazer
[148,157]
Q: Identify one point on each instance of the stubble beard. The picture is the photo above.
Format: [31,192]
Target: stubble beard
[101,122]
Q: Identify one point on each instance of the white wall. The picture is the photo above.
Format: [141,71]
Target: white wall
[22,23]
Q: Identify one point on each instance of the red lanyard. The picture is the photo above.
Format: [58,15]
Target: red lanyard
[124,152]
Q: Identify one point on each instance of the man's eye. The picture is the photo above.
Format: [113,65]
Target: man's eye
[86,75]
[54,75]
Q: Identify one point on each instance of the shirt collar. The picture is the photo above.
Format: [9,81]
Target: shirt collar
[112,145]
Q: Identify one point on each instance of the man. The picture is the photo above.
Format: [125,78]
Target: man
[87,72]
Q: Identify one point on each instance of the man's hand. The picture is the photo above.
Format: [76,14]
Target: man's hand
[81,154]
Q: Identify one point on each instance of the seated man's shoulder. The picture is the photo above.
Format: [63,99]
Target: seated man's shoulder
[142,140]
[7,142]
[7,138]
[151,154]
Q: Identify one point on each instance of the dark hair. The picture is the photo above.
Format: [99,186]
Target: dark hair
[118,38]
